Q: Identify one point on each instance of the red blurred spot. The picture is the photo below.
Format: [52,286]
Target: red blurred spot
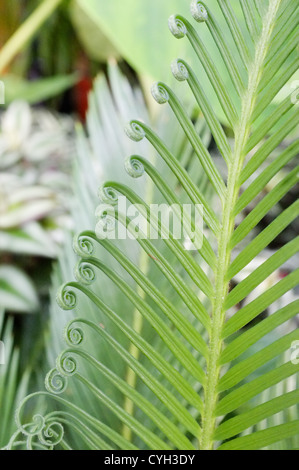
[283,273]
[81,92]
[83,87]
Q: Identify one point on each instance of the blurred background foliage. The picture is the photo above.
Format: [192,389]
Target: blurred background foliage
[51,51]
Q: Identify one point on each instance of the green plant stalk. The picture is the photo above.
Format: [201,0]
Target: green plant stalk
[242,133]
[26,32]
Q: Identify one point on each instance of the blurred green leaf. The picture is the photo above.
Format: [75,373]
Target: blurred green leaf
[17,292]
[96,43]
[124,22]
[13,385]
[32,239]
[36,91]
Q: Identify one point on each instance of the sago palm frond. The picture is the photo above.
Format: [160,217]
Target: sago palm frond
[196,369]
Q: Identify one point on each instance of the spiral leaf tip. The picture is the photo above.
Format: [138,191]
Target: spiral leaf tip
[134,167]
[108,195]
[65,298]
[159,93]
[134,131]
[199,11]
[84,273]
[51,435]
[177,27]
[55,382]
[179,70]
[73,336]
[82,246]
[66,364]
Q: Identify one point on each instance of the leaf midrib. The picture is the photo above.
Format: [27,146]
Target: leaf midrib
[242,132]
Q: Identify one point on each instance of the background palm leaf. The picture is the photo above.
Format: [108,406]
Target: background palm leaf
[175,359]
[12,388]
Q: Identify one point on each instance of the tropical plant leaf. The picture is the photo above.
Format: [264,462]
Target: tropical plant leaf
[37,91]
[91,36]
[180,336]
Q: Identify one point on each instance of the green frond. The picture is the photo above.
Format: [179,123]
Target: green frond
[170,348]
